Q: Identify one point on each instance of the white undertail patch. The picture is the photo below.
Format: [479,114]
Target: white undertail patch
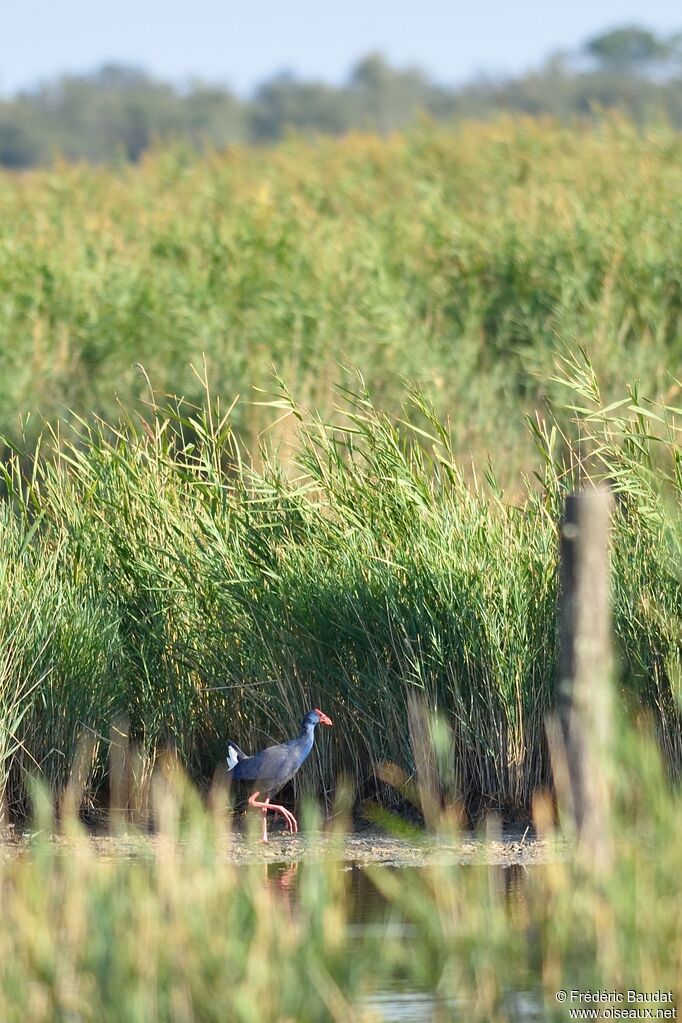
[232,758]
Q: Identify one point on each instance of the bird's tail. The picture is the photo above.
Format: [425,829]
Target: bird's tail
[234,755]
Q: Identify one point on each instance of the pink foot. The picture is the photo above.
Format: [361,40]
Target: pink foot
[265,805]
[292,823]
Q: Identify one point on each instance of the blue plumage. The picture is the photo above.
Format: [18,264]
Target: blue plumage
[269,770]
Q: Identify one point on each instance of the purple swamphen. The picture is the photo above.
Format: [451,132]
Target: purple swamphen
[266,772]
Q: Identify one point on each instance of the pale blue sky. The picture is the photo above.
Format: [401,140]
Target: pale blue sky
[241,43]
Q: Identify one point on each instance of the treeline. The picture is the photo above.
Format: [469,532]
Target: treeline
[118,112]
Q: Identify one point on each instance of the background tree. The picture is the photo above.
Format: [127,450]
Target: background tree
[628,50]
[119,111]
[284,103]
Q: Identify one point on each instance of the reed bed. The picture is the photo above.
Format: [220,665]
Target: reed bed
[462,259]
[176,571]
[155,577]
[172,574]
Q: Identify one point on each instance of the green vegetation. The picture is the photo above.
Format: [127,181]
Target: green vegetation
[118,112]
[174,931]
[463,261]
[175,570]
[192,577]
[156,575]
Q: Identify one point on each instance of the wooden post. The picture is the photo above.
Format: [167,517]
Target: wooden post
[585,664]
[118,773]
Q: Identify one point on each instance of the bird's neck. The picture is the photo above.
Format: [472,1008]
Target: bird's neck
[307,732]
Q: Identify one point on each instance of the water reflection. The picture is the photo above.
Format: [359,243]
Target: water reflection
[410,1007]
[368,909]
[282,876]
[366,903]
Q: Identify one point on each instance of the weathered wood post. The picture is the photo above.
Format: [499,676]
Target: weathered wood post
[119,749]
[585,664]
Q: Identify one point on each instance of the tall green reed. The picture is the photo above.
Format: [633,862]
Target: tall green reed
[202,594]
[460,258]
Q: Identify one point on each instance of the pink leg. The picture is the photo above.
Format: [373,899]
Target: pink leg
[292,823]
[265,822]
[253,801]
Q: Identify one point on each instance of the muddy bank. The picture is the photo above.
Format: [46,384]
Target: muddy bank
[367,847]
[374,847]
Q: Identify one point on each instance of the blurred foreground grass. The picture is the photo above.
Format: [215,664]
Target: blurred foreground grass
[175,931]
